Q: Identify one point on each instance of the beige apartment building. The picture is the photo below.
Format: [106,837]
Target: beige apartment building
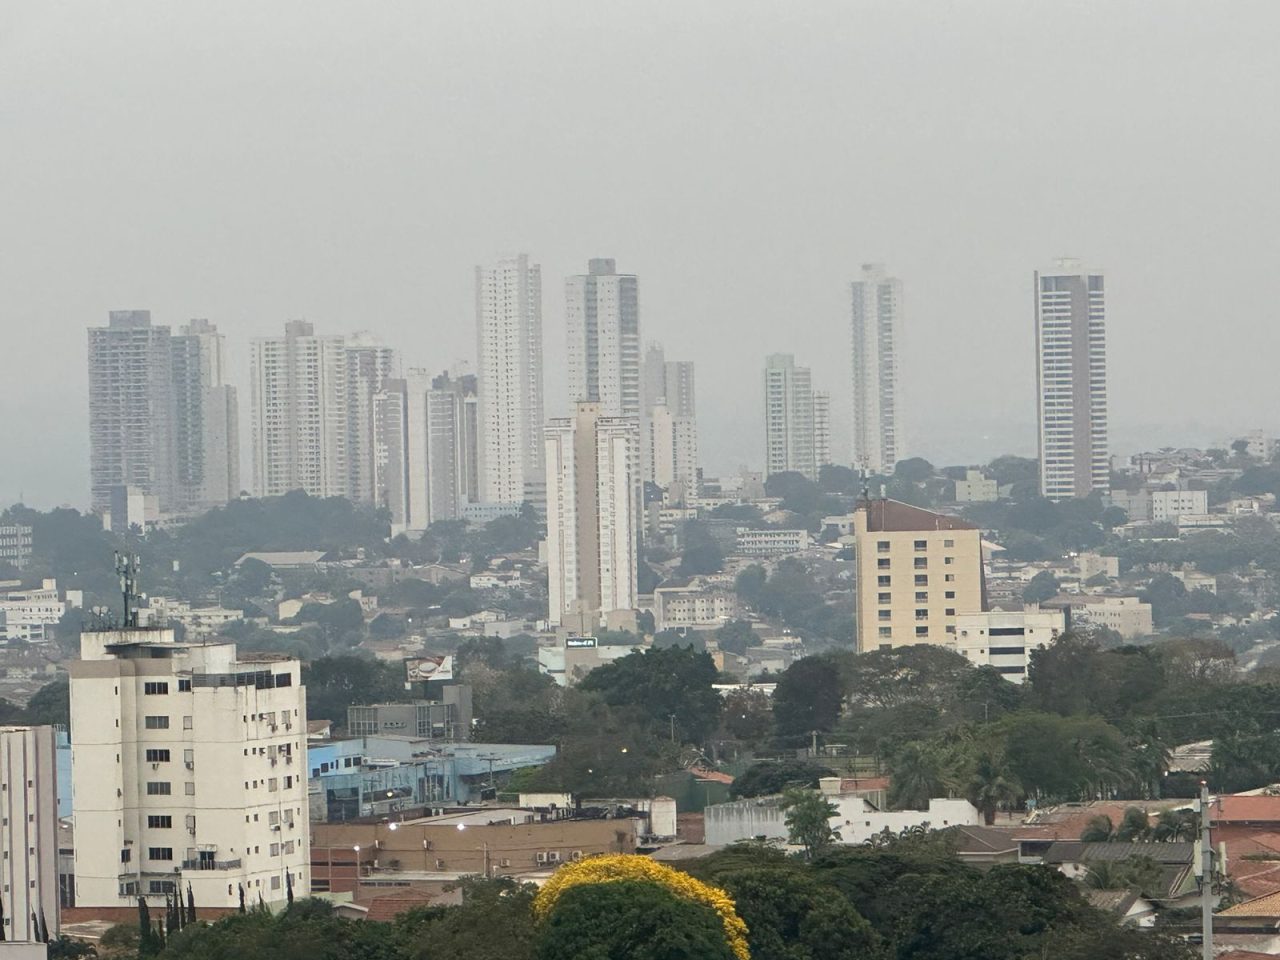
[917,571]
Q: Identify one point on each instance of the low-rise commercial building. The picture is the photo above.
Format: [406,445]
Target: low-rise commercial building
[692,603]
[1005,639]
[1127,616]
[770,541]
[31,615]
[15,544]
[448,718]
[976,488]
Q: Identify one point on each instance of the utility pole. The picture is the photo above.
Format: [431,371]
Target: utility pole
[1206,879]
[673,728]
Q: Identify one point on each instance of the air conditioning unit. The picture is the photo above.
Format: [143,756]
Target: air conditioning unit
[191,830]
[504,862]
[377,844]
[439,864]
[576,855]
[553,856]
[275,827]
[155,766]
[427,845]
[540,857]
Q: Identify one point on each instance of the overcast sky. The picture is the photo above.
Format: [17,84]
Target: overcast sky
[351,163]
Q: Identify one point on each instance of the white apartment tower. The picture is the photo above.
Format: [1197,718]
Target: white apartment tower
[592,519]
[391,452]
[452,453]
[299,392]
[788,417]
[1071,380]
[877,336]
[669,426]
[602,311]
[28,834]
[207,426]
[509,349]
[131,409]
[189,768]
[821,428]
[370,364]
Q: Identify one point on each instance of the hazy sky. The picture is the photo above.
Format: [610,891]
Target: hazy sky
[351,163]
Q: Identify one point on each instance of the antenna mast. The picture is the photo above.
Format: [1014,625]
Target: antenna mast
[127,566]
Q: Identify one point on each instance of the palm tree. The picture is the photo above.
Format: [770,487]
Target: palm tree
[917,774]
[1152,755]
[1098,830]
[1174,825]
[1134,826]
[1141,873]
[991,786]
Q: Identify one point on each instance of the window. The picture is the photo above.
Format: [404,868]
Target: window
[922,631]
[886,631]
[273,784]
[158,788]
[922,544]
[884,597]
[162,886]
[886,614]
[922,614]
[882,563]
[922,596]
[949,577]
[275,850]
[882,546]
[948,543]
[273,818]
[921,563]
[288,782]
[160,853]
[949,595]
[184,685]
[951,628]
[275,883]
[125,855]
[948,561]
[159,821]
[154,687]
[950,611]
[157,723]
[157,756]
[190,789]
[186,723]
[882,581]
[922,579]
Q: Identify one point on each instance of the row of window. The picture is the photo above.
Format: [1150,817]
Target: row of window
[920,563]
[883,546]
[921,579]
[922,596]
[886,632]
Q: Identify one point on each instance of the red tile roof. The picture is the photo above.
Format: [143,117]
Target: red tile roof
[889,516]
[1242,809]
[391,905]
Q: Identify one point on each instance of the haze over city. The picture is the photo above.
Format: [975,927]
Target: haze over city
[253,164]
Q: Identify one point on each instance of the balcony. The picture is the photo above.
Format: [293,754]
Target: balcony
[210,864]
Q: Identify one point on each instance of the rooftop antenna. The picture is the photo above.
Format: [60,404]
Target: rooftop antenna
[127,566]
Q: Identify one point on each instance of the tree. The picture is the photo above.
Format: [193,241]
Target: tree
[1099,829]
[630,920]
[918,773]
[702,554]
[808,696]
[808,820]
[748,715]
[913,470]
[991,786]
[1141,873]
[736,636]
[774,776]
[659,683]
[750,583]
[335,683]
[1043,586]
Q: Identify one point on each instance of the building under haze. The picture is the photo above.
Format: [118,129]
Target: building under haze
[163,422]
[668,424]
[29,895]
[1071,381]
[592,519]
[788,417]
[391,451]
[602,313]
[509,381]
[370,364]
[917,572]
[299,391]
[821,428]
[189,768]
[452,446]
[877,335]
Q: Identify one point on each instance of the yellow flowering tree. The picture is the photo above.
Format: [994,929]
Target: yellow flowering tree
[631,867]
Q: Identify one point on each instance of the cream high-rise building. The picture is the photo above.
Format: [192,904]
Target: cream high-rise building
[602,313]
[299,387]
[592,518]
[189,768]
[668,424]
[509,380]
[452,446]
[1071,381]
[28,834]
[917,572]
[788,417]
[877,336]
[207,426]
[370,364]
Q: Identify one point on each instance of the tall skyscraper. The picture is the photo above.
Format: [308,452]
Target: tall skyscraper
[370,364]
[131,409]
[207,426]
[299,392]
[602,310]
[391,452]
[821,428]
[788,417]
[451,446]
[592,518]
[28,834]
[877,322]
[1071,380]
[509,349]
[669,428]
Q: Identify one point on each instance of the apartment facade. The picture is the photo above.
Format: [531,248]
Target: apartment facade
[788,417]
[917,572]
[189,769]
[592,517]
[30,616]
[602,314]
[452,446]
[370,365]
[206,429]
[391,451]
[16,542]
[1071,380]
[28,833]
[668,425]
[1006,639]
[299,393]
[877,333]
[509,381]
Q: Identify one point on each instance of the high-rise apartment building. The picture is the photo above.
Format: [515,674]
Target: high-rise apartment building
[206,431]
[189,768]
[592,518]
[28,834]
[877,321]
[131,409]
[452,450]
[917,571]
[509,383]
[602,310]
[1071,380]
[300,400]
[788,417]
[821,428]
[370,364]
[668,425]
[391,451]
